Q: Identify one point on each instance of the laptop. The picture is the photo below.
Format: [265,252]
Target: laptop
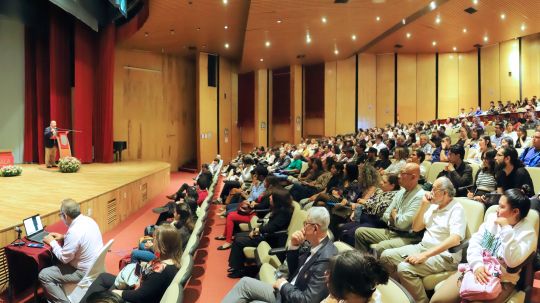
[34,229]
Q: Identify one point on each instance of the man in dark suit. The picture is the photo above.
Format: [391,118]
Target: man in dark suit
[307,259]
[50,144]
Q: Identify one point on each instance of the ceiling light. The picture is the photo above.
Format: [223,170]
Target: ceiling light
[377,18]
[464,30]
[308,38]
[486,39]
[146,34]
[172,32]
[523,27]
[408,35]
[432,5]
[434,43]
[198,28]
[226,45]
[403,21]
[323,19]
[438,19]
[454,48]
[475,2]
[225,2]
[503,16]
[261,59]
[226,27]
[267,43]
[279,21]
[353,37]
[336,52]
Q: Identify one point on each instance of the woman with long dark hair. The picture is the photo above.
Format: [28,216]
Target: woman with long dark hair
[485,178]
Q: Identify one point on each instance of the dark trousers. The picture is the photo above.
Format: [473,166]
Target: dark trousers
[227,186]
[182,188]
[241,240]
[346,231]
[299,192]
[104,282]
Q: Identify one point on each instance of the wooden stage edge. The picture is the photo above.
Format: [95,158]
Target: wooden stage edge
[109,193]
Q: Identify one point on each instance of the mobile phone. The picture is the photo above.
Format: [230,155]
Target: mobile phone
[35,245]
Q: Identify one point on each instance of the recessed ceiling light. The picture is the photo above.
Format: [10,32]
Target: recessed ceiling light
[336,52]
[432,5]
[226,27]
[261,59]
[434,43]
[353,37]
[146,34]
[523,27]
[403,21]
[486,38]
[323,19]
[267,43]
[464,30]
[438,19]
[503,16]
[308,38]
[377,18]
[408,35]
[226,45]
[454,48]
[475,2]
[278,21]
[225,2]
[198,28]
[172,32]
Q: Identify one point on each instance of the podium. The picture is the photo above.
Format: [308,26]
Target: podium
[64,148]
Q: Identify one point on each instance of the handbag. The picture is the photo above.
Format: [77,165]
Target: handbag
[244,208]
[471,290]
[127,278]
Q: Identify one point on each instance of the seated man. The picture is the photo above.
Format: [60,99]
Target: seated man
[82,244]
[399,216]
[292,169]
[307,267]
[459,172]
[531,155]
[510,171]
[444,219]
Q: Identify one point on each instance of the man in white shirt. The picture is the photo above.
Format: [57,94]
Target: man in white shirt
[82,244]
[379,144]
[444,221]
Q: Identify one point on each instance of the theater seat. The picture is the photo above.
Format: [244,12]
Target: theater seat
[474,213]
[434,170]
[75,291]
[173,294]
[394,292]
[535,176]
[342,246]
[475,167]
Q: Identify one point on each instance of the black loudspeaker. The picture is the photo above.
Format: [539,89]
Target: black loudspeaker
[212,70]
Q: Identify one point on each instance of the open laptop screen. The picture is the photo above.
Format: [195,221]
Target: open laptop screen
[32,225]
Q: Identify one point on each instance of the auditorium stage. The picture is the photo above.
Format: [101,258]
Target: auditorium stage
[108,192]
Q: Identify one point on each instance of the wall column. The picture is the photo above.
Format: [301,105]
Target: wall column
[261,107]
[296,103]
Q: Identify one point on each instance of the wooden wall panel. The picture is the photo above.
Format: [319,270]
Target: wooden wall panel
[509,70]
[367,90]
[296,102]
[314,127]
[385,89]
[235,131]
[226,125]
[261,107]
[330,94]
[206,113]
[468,80]
[490,80]
[406,95]
[164,86]
[345,96]
[530,65]
[425,86]
[448,85]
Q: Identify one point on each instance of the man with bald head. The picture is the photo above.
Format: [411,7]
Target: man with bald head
[398,216]
[50,144]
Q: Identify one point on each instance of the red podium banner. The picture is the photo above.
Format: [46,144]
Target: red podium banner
[63,144]
[6,158]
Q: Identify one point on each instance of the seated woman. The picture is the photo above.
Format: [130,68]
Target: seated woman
[280,217]
[193,197]
[384,159]
[306,189]
[475,154]
[353,277]
[522,140]
[512,239]
[371,209]
[440,154]
[464,136]
[485,178]
[183,221]
[335,183]
[400,155]
[244,214]
[155,276]
[237,195]
[348,189]
[507,142]
[237,181]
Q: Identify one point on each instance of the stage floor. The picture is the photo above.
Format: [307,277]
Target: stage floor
[40,190]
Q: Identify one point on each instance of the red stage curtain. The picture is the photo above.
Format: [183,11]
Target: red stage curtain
[103,106]
[83,99]
[36,94]
[246,99]
[314,90]
[281,95]
[60,37]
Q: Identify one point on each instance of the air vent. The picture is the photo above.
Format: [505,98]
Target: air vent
[471,10]
[478,45]
[340,1]
[301,56]
[398,46]
[192,48]
[111,212]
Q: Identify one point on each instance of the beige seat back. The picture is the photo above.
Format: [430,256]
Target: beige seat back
[475,167]
[434,170]
[474,213]
[394,292]
[535,176]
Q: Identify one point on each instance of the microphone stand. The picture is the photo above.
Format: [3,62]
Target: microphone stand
[18,241]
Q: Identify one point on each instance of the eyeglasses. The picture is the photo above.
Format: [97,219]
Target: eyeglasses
[405,173]
[61,214]
[309,223]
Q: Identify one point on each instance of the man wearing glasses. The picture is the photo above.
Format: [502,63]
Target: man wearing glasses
[82,244]
[399,216]
[444,219]
[307,258]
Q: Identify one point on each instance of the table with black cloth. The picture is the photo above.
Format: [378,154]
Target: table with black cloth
[25,263]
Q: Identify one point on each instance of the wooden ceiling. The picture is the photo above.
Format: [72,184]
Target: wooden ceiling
[285,24]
